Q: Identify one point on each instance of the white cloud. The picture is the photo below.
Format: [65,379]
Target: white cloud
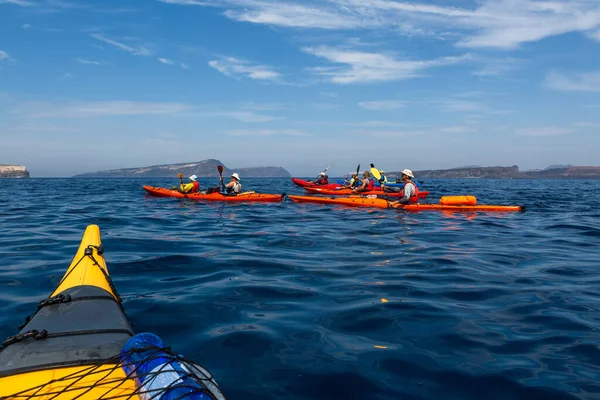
[544,131]
[26,26]
[329,94]
[88,62]
[136,51]
[4,56]
[461,105]
[100,109]
[382,105]
[499,67]
[247,116]
[267,132]
[585,82]
[235,68]
[502,24]
[372,67]
[185,66]
[165,61]
[17,2]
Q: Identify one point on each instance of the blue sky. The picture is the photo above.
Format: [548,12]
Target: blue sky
[92,85]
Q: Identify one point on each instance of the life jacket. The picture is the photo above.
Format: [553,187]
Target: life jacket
[196,187]
[371,184]
[415,197]
[236,188]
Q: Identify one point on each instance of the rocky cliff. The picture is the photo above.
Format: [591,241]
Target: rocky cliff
[202,169]
[13,171]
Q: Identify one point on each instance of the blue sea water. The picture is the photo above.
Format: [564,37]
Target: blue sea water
[307,301]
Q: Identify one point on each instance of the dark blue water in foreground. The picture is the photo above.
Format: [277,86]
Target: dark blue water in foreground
[302,301]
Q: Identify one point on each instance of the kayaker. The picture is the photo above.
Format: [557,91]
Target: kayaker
[410,192]
[322,179]
[383,178]
[352,183]
[367,183]
[192,187]
[234,187]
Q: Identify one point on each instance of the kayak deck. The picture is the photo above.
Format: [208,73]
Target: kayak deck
[70,347]
[243,197]
[346,192]
[375,202]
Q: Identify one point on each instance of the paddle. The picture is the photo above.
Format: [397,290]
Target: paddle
[220,168]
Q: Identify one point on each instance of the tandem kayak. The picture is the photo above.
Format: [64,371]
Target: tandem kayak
[71,347]
[389,184]
[305,183]
[346,192]
[243,197]
[376,202]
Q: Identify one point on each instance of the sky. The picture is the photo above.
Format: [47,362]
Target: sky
[303,84]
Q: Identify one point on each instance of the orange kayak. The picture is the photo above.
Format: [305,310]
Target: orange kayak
[346,192]
[243,197]
[443,207]
[352,201]
[374,202]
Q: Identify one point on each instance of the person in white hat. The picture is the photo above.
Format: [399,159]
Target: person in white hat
[322,179]
[192,187]
[410,192]
[234,187]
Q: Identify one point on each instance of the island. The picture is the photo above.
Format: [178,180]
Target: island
[512,172]
[13,171]
[202,169]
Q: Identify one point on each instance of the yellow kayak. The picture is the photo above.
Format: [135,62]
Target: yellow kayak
[70,347]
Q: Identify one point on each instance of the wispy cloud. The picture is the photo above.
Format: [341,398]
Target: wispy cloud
[545,131]
[4,56]
[501,24]
[246,116]
[359,67]
[499,67]
[185,66]
[236,68]
[165,61]
[99,109]
[461,105]
[584,82]
[267,132]
[88,62]
[329,94]
[137,51]
[382,105]
[23,3]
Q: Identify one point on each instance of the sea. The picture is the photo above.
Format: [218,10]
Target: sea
[309,301]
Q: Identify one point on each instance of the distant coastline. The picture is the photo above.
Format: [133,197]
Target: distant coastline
[13,171]
[552,172]
[202,169]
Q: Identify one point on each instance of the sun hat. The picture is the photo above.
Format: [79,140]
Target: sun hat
[235,175]
[408,172]
[322,173]
[193,178]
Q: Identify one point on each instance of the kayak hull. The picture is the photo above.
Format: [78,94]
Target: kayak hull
[346,192]
[458,208]
[77,352]
[351,201]
[305,183]
[244,197]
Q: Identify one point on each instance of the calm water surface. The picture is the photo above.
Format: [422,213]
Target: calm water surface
[301,301]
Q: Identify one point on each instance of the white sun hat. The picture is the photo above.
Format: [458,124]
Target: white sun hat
[235,175]
[408,172]
[193,178]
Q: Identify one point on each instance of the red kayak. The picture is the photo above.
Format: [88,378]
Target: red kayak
[242,197]
[346,192]
[305,183]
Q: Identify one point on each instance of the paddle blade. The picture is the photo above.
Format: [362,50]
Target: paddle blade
[220,168]
[358,169]
[375,173]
